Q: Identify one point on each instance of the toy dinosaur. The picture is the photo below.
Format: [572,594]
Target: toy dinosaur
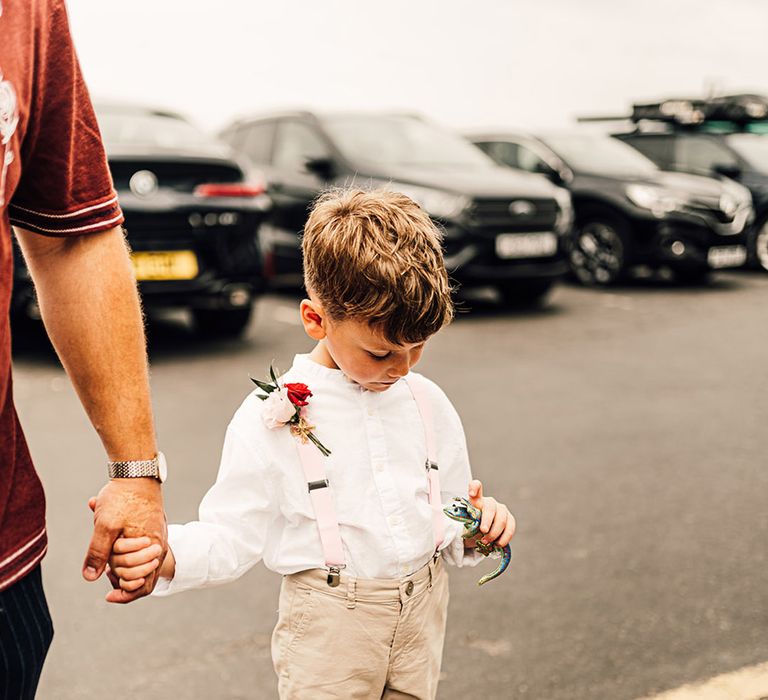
[463,511]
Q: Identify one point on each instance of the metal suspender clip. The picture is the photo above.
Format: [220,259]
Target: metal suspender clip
[321,484]
[334,576]
[431,465]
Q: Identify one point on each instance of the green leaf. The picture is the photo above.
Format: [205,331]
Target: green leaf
[263,386]
[272,373]
[262,397]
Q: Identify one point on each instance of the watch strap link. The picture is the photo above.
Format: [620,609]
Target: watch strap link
[134,468]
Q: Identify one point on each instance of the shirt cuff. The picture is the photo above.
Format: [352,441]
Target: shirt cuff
[191,561]
[453,549]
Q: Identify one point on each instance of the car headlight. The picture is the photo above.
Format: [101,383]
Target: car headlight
[437,203]
[658,200]
[564,219]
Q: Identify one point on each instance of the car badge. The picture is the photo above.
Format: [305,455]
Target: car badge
[143,183]
[521,207]
[728,204]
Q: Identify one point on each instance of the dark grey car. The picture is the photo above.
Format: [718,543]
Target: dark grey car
[628,212]
[501,228]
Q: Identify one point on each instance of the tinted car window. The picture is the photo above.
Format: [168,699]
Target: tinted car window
[658,148]
[296,144]
[700,154]
[401,140]
[149,130]
[503,152]
[753,148]
[594,153]
[257,142]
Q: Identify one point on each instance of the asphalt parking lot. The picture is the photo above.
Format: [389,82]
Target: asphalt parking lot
[625,429]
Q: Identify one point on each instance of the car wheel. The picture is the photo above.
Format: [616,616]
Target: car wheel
[599,248]
[222,323]
[761,245]
[524,293]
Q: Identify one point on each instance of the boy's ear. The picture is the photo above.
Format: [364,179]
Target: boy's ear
[313,319]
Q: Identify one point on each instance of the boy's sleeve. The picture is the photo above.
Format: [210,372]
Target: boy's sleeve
[455,475]
[234,524]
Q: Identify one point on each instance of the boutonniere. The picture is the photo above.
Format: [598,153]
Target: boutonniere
[284,405]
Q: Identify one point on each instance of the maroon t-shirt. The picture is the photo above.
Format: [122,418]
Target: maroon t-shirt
[54,181]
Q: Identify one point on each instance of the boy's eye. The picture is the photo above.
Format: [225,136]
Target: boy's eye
[379,357]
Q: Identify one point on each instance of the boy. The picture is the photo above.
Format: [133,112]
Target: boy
[358,534]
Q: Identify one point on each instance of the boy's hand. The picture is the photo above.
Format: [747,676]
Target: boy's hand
[131,561]
[497,523]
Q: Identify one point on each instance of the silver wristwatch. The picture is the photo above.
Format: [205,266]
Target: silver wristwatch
[155,468]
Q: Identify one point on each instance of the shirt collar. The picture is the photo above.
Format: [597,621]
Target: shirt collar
[307,366]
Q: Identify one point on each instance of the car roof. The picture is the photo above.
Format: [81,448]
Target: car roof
[315,114]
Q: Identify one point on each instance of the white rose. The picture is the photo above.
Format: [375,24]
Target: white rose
[277,409]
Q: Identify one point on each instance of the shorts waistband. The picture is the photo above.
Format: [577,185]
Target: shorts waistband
[372,589]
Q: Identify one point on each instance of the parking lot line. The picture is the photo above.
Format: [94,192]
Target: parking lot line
[750,683]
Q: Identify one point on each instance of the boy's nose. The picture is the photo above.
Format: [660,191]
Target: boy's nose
[400,368]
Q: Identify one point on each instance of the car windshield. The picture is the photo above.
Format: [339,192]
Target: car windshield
[148,129]
[396,140]
[602,155]
[753,148]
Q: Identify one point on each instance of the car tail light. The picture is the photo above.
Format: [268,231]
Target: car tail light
[229,189]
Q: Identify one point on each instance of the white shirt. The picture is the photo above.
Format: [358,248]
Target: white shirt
[259,507]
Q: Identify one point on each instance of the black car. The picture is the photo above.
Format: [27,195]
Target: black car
[501,228]
[628,212]
[726,136]
[191,219]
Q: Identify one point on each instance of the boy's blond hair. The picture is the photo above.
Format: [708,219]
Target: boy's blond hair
[377,256]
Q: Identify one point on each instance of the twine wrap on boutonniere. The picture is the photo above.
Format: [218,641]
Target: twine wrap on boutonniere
[284,405]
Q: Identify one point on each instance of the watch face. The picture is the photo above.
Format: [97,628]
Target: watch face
[162,467]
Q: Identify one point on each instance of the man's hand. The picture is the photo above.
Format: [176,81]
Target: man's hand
[130,508]
[497,523]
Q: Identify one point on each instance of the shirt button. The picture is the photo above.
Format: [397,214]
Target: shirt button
[394,520]
[370,412]
[409,588]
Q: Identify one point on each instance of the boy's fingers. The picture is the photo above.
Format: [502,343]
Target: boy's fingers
[498,525]
[136,558]
[475,492]
[136,572]
[489,512]
[509,532]
[131,586]
[124,545]
[92,503]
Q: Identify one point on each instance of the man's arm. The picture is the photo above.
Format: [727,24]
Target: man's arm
[87,294]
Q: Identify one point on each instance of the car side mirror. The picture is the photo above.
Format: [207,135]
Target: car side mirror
[728,170]
[323,167]
[551,173]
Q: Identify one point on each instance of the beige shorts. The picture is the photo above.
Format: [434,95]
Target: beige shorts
[366,638]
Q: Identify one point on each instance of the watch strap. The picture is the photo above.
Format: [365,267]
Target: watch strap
[134,468]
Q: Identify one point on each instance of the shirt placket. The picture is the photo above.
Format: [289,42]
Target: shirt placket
[384,480]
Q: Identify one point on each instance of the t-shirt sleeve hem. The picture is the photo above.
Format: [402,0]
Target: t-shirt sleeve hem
[89,217]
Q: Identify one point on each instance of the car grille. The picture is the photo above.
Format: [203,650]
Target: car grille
[141,224]
[498,214]
[175,175]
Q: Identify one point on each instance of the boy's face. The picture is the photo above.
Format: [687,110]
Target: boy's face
[359,351]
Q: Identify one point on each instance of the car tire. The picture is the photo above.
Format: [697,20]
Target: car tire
[528,293]
[600,249]
[222,323]
[759,245]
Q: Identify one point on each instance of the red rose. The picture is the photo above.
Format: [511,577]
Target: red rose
[298,393]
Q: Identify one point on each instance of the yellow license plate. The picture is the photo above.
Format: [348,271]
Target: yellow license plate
[165,265]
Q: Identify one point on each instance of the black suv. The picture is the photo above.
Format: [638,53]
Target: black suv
[628,212]
[726,136]
[501,228]
[191,218]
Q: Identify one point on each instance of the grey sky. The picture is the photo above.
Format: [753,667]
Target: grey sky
[487,62]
